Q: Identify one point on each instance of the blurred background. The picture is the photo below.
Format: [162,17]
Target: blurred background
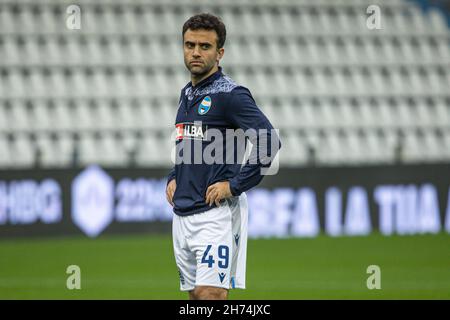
[359,89]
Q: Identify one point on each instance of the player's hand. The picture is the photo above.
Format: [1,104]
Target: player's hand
[170,190]
[217,192]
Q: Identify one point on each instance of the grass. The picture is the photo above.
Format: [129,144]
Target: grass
[143,267]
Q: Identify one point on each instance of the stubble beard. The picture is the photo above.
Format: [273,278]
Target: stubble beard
[199,72]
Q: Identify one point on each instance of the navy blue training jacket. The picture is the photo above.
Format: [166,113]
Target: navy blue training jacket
[216,102]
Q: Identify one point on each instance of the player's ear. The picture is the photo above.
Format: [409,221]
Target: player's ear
[220,52]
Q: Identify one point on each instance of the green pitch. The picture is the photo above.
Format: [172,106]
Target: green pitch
[143,267]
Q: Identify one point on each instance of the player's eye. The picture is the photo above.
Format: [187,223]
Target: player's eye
[205,46]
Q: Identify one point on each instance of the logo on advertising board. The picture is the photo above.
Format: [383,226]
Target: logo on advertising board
[92,200]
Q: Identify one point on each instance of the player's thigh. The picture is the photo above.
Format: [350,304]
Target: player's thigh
[184,257]
[213,248]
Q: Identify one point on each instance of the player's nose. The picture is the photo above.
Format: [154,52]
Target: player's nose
[196,52]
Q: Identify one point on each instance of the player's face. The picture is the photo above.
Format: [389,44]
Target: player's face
[200,51]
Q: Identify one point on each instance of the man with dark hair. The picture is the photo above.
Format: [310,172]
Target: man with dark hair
[209,201]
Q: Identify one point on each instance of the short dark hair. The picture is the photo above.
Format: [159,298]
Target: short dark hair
[207,21]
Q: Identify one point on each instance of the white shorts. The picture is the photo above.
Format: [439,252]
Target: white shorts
[211,247]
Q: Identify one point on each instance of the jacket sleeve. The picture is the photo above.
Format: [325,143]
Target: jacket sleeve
[243,113]
[171,175]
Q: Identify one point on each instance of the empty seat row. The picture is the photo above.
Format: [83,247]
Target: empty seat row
[70,115]
[359,113]
[256,19]
[159,114]
[269,81]
[167,51]
[63,149]
[338,147]
[300,147]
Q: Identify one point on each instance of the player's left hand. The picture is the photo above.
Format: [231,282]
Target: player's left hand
[217,192]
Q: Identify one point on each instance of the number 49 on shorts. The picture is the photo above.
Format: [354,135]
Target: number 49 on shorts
[223,255]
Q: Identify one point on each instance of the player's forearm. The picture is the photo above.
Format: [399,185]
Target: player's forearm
[249,177]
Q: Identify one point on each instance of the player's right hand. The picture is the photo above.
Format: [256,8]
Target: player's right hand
[170,190]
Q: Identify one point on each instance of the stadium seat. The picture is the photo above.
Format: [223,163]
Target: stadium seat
[437,20]
[61,116]
[111,153]
[103,116]
[22,151]
[89,152]
[65,146]
[82,115]
[40,116]
[147,154]
[49,153]
[293,152]
[5,159]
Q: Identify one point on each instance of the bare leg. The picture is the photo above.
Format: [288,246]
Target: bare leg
[208,293]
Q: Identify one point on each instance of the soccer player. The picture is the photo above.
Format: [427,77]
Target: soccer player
[209,201]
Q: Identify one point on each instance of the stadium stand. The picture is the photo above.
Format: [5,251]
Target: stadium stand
[340,93]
